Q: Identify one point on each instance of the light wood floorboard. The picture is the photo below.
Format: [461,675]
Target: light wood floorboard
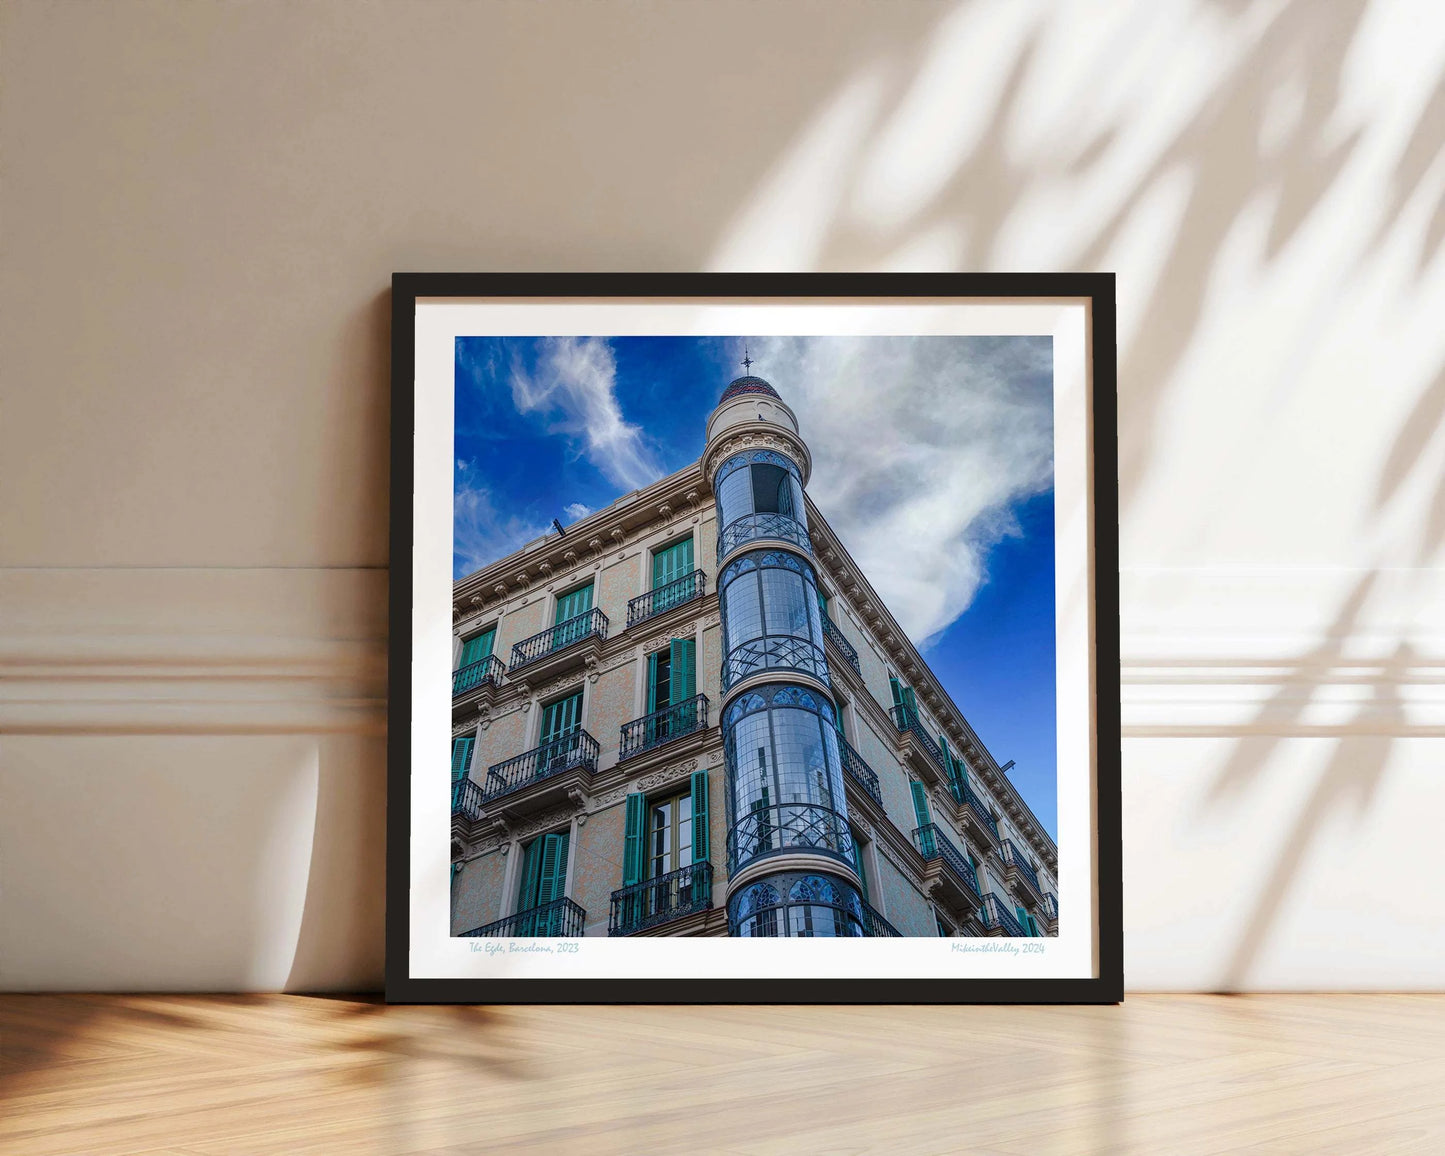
[1179,1075]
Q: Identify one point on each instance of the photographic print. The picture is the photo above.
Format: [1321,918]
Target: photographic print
[762,645]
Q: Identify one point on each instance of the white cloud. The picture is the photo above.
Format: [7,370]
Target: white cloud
[575,384]
[576,511]
[920,449]
[481,533]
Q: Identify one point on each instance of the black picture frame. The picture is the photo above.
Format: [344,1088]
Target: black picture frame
[1095,288]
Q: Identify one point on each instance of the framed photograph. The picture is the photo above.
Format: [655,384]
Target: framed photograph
[754,638]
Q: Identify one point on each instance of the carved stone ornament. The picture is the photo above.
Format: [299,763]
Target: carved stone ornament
[546,568]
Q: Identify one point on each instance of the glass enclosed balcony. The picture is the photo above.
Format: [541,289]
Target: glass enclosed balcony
[770,617]
[789,827]
[664,598]
[803,905]
[560,919]
[655,902]
[662,726]
[759,497]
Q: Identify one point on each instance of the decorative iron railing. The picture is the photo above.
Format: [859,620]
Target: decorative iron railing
[474,674]
[859,771]
[554,638]
[774,652]
[661,900]
[835,636]
[467,799]
[661,726]
[965,796]
[932,843]
[577,749]
[875,926]
[1051,905]
[762,527]
[664,598]
[997,917]
[560,919]
[1015,858]
[906,721]
[789,827]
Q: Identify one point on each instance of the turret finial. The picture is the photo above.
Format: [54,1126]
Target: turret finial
[747,361]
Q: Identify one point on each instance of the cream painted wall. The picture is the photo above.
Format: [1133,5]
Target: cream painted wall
[202,205]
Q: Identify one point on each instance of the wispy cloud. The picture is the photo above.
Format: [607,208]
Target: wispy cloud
[921,447]
[576,511]
[481,533]
[575,385]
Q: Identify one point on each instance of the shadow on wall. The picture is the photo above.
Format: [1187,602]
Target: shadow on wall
[1162,146]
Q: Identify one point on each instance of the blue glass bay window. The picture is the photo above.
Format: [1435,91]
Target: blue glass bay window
[770,616]
[759,495]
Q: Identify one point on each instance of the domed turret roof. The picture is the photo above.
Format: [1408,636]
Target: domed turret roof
[749,384]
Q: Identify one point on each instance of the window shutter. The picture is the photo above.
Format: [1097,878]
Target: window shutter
[531,875]
[633,838]
[554,868]
[477,648]
[652,703]
[683,676]
[897,688]
[920,803]
[910,703]
[1024,921]
[462,756]
[858,863]
[700,849]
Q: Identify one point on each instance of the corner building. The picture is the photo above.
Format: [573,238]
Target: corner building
[757,751]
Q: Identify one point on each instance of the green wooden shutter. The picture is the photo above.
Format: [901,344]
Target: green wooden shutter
[531,874]
[683,676]
[462,749]
[858,863]
[634,838]
[699,817]
[577,602]
[477,647]
[910,703]
[562,717]
[673,563]
[553,880]
[822,603]
[652,703]
[897,688]
[1023,917]
[920,803]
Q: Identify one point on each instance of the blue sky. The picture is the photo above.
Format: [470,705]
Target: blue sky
[932,462]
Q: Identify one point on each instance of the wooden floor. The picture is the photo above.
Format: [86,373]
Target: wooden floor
[227,1076]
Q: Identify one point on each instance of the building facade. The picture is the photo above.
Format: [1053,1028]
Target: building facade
[690,714]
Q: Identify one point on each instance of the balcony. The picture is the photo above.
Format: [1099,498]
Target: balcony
[662,726]
[1021,877]
[921,751]
[560,648]
[560,919]
[845,648]
[665,899]
[556,769]
[999,920]
[781,652]
[947,872]
[875,926]
[974,816]
[487,672]
[859,771]
[762,528]
[664,598]
[466,800]
[789,827]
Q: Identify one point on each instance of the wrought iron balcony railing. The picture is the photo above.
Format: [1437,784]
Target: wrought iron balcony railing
[774,652]
[554,638]
[675,593]
[859,771]
[661,726]
[474,674]
[835,636]
[467,799]
[965,796]
[789,827]
[997,916]
[657,901]
[762,527]
[578,749]
[1051,905]
[560,919]
[1015,858]
[875,926]
[906,721]
[934,844]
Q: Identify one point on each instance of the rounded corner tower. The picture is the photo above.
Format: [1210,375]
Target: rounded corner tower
[790,852]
